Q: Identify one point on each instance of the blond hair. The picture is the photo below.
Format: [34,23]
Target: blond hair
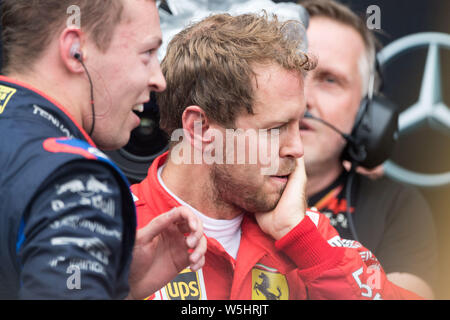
[209,64]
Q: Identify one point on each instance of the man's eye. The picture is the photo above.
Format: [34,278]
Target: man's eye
[330,80]
[150,52]
[277,128]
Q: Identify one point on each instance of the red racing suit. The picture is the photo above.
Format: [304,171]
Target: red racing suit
[310,262]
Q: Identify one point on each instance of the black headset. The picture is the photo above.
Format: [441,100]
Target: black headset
[375,129]
[372,138]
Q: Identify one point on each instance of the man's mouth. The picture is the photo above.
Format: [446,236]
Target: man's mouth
[139,108]
[281,178]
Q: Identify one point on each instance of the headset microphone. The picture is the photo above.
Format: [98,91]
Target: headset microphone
[373,135]
[346,136]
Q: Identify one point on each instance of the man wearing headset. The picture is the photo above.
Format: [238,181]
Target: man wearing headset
[391,220]
[67,219]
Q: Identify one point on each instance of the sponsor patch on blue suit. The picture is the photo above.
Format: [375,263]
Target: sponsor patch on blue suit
[82,148]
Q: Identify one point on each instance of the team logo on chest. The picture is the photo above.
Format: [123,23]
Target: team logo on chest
[5,94]
[268,284]
[187,285]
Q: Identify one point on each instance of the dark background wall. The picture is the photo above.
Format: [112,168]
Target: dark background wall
[424,150]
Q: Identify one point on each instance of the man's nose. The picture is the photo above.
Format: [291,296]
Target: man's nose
[309,94]
[157,82]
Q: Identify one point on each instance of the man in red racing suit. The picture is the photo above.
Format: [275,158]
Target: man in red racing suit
[310,262]
[261,244]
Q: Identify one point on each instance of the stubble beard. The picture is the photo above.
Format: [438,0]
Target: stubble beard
[240,195]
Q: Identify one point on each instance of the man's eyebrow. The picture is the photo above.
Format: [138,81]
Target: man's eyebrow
[330,71]
[280,122]
[154,41]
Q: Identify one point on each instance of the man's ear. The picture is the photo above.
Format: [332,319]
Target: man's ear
[71,49]
[195,124]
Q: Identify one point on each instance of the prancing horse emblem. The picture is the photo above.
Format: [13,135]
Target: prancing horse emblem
[263,288]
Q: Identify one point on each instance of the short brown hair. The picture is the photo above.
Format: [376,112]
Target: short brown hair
[209,64]
[341,13]
[29,25]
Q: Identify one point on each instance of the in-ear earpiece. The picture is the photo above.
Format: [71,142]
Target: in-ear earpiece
[75,51]
[78,56]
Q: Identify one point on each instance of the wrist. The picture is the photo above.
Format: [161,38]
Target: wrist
[279,232]
[307,248]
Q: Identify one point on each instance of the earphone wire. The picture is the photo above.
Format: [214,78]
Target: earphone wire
[78,57]
[348,196]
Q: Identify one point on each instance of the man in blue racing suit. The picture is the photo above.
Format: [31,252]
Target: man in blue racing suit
[67,218]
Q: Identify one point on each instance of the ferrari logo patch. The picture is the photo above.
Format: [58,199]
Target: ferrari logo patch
[5,94]
[268,284]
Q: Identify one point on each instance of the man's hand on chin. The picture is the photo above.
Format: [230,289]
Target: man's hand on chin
[291,207]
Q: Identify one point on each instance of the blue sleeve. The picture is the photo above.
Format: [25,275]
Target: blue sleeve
[72,237]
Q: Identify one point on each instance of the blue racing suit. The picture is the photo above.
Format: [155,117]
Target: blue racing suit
[67,219]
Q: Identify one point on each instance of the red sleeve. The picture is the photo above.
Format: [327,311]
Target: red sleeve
[334,268]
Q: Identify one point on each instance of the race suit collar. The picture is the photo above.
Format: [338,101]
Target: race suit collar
[53,101]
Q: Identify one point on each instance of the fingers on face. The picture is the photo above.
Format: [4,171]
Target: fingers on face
[300,167]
